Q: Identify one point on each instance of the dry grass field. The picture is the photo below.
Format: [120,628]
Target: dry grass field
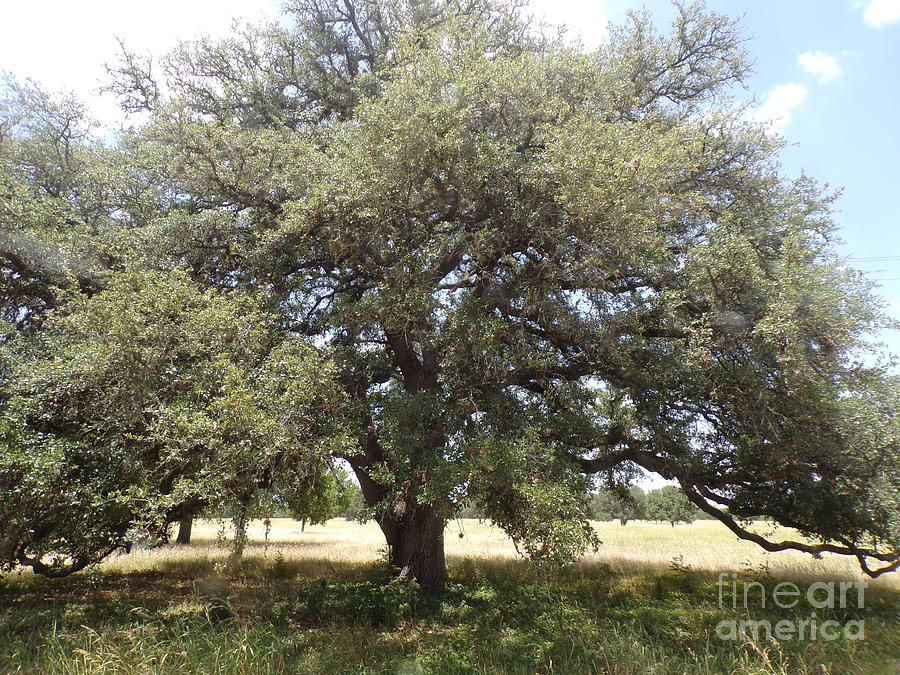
[704,545]
[323,601]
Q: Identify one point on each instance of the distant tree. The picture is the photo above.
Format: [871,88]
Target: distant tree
[471,510]
[328,495]
[185,528]
[357,510]
[623,504]
[670,505]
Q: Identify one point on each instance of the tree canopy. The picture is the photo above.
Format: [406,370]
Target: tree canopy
[518,265]
[670,505]
[147,401]
[619,504]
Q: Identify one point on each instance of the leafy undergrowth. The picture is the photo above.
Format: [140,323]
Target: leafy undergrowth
[492,617]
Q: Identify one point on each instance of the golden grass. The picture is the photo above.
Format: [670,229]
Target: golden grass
[322,549]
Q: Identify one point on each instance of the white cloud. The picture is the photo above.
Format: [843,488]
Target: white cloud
[586,20]
[64,44]
[779,106]
[820,63]
[881,12]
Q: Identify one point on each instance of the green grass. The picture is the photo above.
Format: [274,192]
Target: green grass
[312,614]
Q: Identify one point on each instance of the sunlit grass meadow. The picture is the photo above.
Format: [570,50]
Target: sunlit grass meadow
[704,545]
[322,601]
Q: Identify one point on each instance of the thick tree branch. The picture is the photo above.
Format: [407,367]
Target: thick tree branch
[892,559]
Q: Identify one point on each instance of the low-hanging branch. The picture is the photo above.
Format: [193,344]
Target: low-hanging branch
[891,558]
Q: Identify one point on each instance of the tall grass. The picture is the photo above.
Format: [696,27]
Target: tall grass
[641,545]
[322,601]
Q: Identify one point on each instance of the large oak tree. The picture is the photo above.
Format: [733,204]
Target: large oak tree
[528,264]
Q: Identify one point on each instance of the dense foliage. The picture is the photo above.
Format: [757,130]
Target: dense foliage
[143,404]
[621,505]
[327,496]
[668,504]
[509,264]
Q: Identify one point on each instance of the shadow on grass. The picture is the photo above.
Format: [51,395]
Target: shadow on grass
[495,615]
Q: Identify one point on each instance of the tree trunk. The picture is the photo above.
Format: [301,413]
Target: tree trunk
[303,525]
[184,530]
[240,535]
[624,521]
[415,539]
[417,546]
[160,536]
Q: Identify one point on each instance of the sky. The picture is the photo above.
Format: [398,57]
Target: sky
[825,78]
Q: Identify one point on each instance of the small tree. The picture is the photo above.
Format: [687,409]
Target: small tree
[326,495]
[670,505]
[357,510]
[622,504]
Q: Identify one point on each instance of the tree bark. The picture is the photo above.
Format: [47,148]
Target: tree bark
[184,530]
[417,546]
[241,521]
[414,533]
